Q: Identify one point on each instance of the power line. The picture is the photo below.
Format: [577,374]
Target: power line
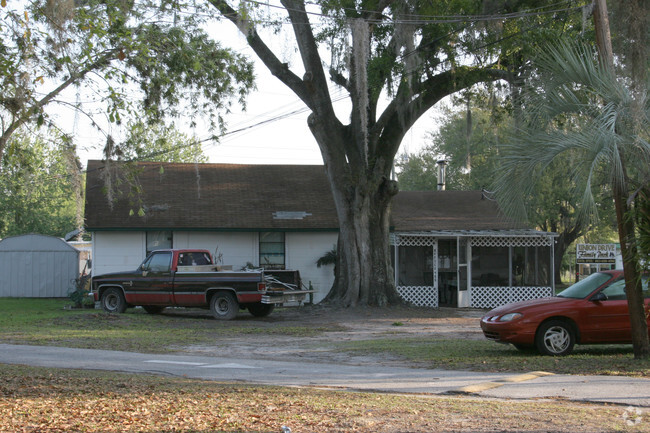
[438,19]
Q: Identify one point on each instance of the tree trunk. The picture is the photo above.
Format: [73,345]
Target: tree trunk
[560,249]
[633,288]
[624,220]
[365,276]
[564,240]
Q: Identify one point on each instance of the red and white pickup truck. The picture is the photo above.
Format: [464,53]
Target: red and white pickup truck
[189,278]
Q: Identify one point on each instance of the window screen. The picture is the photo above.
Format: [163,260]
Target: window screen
[159,240]
[272,250]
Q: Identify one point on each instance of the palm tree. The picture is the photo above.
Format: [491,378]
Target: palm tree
[329,258]
[580,110]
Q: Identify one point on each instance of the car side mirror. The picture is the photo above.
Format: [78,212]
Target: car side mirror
[598,297]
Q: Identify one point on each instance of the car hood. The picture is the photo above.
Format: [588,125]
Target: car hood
[522,306]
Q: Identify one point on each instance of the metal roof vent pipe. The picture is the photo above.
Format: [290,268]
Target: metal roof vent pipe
[442,174]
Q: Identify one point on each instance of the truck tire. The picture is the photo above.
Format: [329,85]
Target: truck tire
[113,301]
[224,306]
[260,310]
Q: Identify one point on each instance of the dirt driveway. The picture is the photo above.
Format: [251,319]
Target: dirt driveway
[333,326]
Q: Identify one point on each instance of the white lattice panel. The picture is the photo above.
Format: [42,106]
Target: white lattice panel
[414,241]
[492,297]
[494,241]
[421,296]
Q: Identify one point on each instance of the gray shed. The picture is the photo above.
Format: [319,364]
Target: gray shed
[37,266]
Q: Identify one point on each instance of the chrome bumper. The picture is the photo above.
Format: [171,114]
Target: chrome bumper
[291,296]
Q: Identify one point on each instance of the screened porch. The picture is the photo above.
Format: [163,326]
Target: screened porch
[477,269]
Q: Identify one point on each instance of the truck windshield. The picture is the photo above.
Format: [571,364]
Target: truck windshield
[583,288]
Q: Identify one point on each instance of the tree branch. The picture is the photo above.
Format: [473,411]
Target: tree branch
[315,78]
[404,110]
[276,67]
[28,112]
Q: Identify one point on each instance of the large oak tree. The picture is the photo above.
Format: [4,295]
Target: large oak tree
[395,60]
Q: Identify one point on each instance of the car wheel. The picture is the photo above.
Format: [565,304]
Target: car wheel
[555,338]
[113,301]
[153,309]
[260,310]
[224,306]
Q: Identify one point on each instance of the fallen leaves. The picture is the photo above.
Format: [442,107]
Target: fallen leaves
[37,400]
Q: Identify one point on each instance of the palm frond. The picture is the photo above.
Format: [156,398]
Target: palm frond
[581,111]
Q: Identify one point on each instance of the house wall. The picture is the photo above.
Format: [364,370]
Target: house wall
[236,249]
[303,251]
[119,251]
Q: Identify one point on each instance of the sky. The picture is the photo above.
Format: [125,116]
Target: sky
[273,129]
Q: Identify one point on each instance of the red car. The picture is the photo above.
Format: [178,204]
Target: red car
[592,311]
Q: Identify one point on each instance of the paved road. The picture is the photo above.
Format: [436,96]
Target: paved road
[619,390]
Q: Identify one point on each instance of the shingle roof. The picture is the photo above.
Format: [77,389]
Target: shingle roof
[447,210]
[214,196]
[262,197]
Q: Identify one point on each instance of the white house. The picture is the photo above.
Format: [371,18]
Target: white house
[451,247]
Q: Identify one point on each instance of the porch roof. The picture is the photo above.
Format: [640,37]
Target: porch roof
[419,211]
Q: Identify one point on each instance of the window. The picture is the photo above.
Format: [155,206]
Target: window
[194,259]
[531,266]
[272,250]
[415,266]
[159,262]
[158,240]
[615,291]
[490,266]
[511,266]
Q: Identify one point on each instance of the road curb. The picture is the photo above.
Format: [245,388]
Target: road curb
[484,386]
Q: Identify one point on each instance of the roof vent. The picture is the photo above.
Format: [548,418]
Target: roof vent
[289,215]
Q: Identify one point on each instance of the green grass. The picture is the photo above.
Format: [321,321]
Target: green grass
[486,355]
[47,322]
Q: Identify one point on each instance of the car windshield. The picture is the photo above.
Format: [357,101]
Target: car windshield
[583,288]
